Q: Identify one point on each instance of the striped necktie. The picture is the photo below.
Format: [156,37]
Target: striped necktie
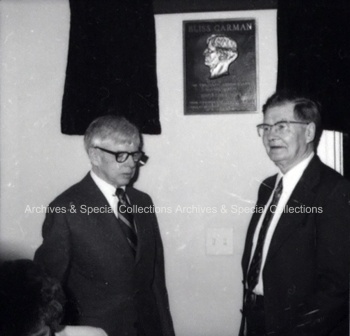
[255,265]
[126,218]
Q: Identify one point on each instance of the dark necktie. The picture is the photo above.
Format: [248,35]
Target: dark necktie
[127,219]
[255,265]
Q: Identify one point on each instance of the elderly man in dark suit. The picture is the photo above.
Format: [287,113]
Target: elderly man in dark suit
[296,256]
[102,240]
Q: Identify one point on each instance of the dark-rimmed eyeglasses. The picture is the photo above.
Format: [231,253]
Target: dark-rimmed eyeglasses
[123,156]
[280,127]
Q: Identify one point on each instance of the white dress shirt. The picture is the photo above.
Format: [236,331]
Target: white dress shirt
[290,180]
[108,191]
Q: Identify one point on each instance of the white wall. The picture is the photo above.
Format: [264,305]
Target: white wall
[37,162]
[214,160]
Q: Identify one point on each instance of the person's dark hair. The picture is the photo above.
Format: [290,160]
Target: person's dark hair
[305,109]
[111,127]
[29,299]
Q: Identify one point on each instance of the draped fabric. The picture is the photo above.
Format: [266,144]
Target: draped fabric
[111,65]
[314,55]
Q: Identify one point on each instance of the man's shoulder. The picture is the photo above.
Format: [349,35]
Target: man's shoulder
[138,194]
[324,181]
[269,182]
[324,175]
[331,174]
[75,192]
[266,188]
[332,180]
[315,170]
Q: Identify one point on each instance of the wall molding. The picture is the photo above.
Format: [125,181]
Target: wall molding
[188,6]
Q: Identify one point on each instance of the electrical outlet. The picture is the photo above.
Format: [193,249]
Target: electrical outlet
[219,241]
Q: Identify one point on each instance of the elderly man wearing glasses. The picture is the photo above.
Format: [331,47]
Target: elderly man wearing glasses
[108,257]
[296,255]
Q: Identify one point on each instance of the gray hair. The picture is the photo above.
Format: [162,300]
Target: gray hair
[111,127]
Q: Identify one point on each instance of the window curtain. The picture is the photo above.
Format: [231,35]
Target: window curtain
[314,55]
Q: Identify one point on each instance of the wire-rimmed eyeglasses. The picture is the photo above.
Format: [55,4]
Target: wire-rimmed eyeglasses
[281,127]
[138,157]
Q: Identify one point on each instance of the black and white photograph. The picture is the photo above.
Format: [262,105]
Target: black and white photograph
[174,168]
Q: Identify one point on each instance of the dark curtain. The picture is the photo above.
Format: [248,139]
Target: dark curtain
[314,55]
[111,65]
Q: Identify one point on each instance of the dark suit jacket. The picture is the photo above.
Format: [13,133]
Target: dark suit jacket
[107,287]
[306,274]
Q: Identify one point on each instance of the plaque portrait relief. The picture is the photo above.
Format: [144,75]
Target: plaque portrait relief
[220,72]
[221,51]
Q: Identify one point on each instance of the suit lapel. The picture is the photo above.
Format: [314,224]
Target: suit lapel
[302,195]
[264,195]
[107,222]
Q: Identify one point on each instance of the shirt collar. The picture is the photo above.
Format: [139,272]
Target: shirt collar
[292,177]
[105,187]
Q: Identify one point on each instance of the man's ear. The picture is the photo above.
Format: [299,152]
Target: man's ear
[93,156]
[310,132]
[234,56]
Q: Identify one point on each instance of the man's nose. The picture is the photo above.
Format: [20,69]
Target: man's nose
[273,133]
[130,161]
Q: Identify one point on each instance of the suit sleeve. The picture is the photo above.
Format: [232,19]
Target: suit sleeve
[54,253]
[159,285]
[328,307]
